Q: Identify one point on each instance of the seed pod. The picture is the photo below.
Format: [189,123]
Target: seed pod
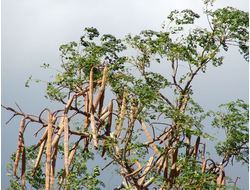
[93,130]
[122,114]
[66,144]
[61,128]
[20,143]
[48,156]
[144,127]
[102,89]
[87,119]
[43,138]
[91,89]
[23,164]
[39,156]
[108,126]
[72,153]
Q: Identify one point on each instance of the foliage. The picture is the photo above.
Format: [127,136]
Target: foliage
[166,158]
[234,121]
[75,180]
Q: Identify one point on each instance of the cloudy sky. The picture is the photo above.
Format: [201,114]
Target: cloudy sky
[32,32]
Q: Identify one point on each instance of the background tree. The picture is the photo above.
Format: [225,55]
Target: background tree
[167,157]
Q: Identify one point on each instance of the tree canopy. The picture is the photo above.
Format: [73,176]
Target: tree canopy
[145,123]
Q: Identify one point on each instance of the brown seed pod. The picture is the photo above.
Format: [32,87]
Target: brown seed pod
[108,126]
[102,89]
[93,130]
[39,156]
[145,129]
[66,144]
[122,114]
[20,143]
[23,164]
[48,156]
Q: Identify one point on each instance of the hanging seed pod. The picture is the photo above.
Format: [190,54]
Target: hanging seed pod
[23,164]
[43,138]
[145,129]
[53,166]
[108,126]
[102,89]
[72,153]
[122,114]
[93,130]
[61,128]
[20,143]
[87,118]
[39,156]
[86,109]
[101,104]
[66,144]
[91,89]
[48,156]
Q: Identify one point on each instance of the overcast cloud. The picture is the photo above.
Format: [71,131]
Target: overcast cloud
[32,32]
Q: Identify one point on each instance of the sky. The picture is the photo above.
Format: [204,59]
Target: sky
[32,32]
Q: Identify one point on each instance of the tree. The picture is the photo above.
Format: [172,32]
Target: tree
[165,156]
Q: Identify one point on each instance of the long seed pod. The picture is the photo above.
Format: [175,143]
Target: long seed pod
[71,156]
[66,144]
[61,128]
[39,156]
[145,129]
[108,126]
[53,166]
[86,109]
[122,114]
[20,143]
[102,89]
[87,119]
[93,130]
[101,104]
[48,156]
[23,164]
[91,89]
[43,138]
[146,170]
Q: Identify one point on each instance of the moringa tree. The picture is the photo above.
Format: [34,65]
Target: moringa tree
[147,127]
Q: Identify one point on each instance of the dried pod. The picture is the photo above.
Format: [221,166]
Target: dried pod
[20,144]
[48,156]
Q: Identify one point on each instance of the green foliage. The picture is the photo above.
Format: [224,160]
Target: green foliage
[38,181]
[79,178]
[233,118]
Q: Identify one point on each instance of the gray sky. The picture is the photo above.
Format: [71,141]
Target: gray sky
[32,32]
